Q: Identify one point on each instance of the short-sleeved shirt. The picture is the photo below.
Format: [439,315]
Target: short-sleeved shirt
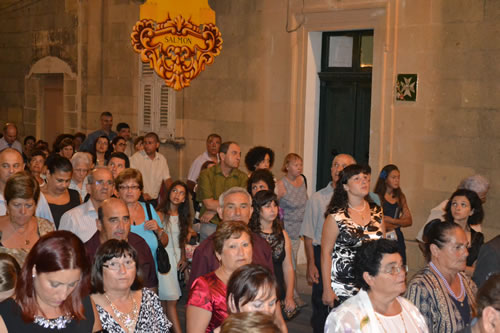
[146,261]
[154,171]
[195,169]
[314,216]
[212,183]
[209,293]
[80,220]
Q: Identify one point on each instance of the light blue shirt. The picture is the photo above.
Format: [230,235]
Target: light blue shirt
[148,235]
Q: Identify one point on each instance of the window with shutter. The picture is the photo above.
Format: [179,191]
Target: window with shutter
[157,104]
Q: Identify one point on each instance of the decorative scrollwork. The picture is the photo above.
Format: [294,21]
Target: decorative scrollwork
[177,49]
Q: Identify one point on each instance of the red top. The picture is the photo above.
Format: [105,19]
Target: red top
[209,292]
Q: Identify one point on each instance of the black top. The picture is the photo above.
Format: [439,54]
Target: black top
[277,243]
[58,210]
[11,315]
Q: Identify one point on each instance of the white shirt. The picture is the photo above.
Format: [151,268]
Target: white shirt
[80,220]
[195,169]
[16,145]
[82,191]
[154,171]
[42,208]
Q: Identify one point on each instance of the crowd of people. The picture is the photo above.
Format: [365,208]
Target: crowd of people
[87,228]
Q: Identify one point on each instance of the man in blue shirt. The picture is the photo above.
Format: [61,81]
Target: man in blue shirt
[106,125]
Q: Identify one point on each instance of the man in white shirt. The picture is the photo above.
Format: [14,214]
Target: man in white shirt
[211,154]
[11,161]
[81,219]
[153,166]
[9,139]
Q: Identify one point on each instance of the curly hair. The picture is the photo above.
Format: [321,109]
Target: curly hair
[257,155]
[261,199]
[339,199]
[183,211]
[261,175]
[475,205]
[368,258]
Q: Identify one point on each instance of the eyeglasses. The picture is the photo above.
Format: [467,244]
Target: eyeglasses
[393,270]
[115,265]
[126,188]
[102,182]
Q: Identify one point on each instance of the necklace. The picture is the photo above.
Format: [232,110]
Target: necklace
[127,319]
[400,314]
[358,210]
[462,289]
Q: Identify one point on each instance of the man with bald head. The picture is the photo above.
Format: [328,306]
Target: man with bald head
[311,229]
[234,205]
[81,219]
[113,222]
[9,139]
[11,161]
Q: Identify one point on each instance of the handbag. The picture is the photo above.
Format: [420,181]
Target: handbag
[161,254]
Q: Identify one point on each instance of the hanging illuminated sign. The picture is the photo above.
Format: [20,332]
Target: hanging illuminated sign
[178,49]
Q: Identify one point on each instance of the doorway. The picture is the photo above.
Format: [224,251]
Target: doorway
[53,116]
[345,98]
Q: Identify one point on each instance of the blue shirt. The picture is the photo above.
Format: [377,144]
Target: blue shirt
[88,144]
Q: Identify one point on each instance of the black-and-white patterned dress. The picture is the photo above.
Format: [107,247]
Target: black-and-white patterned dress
[351,236]
[151,317]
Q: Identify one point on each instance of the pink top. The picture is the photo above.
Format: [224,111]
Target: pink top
[209,292]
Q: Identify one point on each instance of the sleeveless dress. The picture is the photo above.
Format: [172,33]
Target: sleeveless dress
[350,237]
[58,210]
[43,227]
[168,284]
[293,204]
[277,243]
[11,315]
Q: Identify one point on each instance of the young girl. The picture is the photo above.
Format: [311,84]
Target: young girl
[396,212]
[174,213]
[265,222]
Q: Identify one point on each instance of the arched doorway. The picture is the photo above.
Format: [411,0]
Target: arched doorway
[51,99]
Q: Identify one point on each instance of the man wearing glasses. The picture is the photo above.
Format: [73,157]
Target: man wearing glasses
[81,219]
[113,222]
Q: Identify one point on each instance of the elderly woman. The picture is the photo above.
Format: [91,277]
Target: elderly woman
[465,209]
[377,307]
[52,290]
[20,229]
[123,305]
[144,220]
[259,158]
[9,272]
[350,221]
[260,180]
[206,305]
[57,192]
[81,166]
[441,291]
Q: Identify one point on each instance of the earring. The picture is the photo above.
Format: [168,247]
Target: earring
[33,275]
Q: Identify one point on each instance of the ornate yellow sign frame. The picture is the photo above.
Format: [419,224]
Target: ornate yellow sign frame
[177,49]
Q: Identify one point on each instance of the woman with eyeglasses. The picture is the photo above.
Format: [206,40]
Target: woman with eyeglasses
[378,307]
[81,166]
[351,220]
[121,302]
[144,220]
[442,292]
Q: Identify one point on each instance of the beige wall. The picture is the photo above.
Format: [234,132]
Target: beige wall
[262,89]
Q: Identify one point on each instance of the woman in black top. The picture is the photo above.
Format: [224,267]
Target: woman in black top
[396,212]
[52,289]
[57,192]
